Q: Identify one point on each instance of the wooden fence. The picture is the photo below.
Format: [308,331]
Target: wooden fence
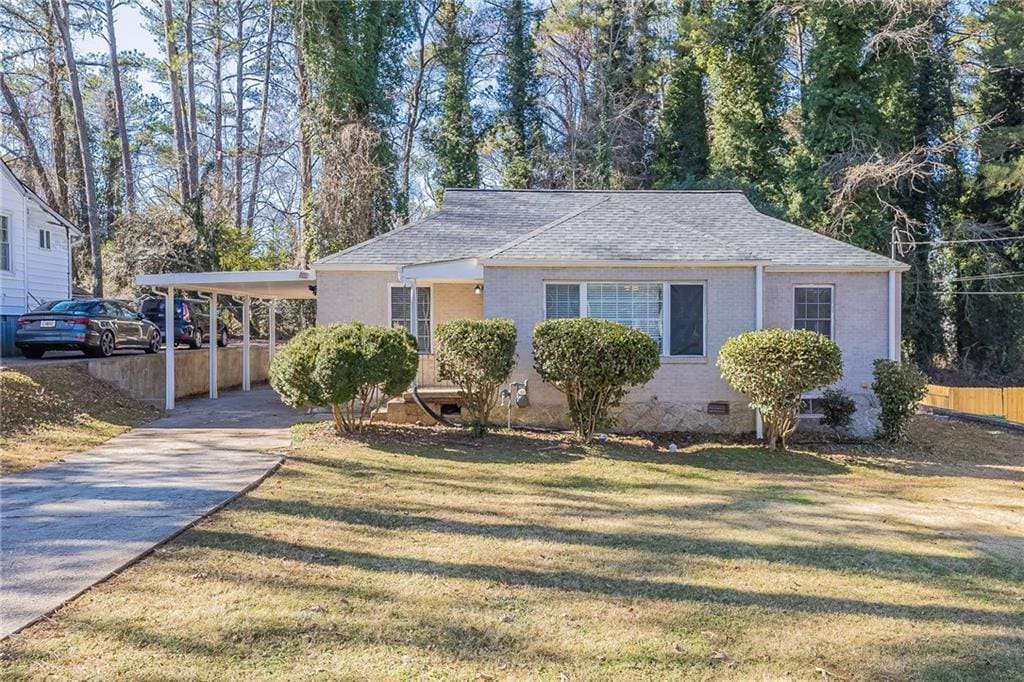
[998,402]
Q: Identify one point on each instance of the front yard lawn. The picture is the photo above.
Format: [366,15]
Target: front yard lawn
[50,411]
[414,553]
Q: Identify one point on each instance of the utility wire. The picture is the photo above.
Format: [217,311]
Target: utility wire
[974,278]
[966,241]
[987,293]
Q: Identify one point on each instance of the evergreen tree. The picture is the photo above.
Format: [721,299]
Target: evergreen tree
[990,328]
[520,134]
[681,144]
[839,110]
[743,60]
[455,142]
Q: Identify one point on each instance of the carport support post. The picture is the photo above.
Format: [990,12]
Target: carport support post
[213,338]
[271,328]
[169,349]
[246,304]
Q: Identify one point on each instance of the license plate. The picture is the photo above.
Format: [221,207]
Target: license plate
[47,324]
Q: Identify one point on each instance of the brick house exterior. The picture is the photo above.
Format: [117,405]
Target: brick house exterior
[691,268]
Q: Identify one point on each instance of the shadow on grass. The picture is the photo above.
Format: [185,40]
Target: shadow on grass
[615,586]
[525,447]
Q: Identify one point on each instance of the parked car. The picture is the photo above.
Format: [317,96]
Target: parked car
[96,326]
[191,321]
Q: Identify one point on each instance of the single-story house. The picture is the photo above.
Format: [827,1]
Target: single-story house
[690,268]
[35,253]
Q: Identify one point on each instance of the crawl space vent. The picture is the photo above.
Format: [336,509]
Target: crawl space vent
[718,408]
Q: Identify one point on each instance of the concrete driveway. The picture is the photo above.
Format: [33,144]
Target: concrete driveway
[67,525]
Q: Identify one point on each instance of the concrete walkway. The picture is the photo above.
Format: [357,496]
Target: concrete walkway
[67,525]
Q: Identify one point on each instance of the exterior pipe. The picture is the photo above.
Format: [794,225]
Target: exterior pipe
[758,324]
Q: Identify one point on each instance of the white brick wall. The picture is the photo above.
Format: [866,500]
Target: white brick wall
[678,395]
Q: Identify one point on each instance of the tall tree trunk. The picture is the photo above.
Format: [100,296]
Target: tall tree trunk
[415,112]
[305,153]
[190,83]
[264,105]
[218,109]
[111,163]
[59,9]
[239,110]
[177,110]
[122,129]
[42,180]
[55,95]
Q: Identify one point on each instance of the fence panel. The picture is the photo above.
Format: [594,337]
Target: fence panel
[983,401]
[1013,403]
[937,396]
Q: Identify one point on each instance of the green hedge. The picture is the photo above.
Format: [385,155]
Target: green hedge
[478,357]
[774,368]
[593,362]
[351,367]
[900,386]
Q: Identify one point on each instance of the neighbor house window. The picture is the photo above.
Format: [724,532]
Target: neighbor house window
[678,328]
[44,239]
[812,309]
[401,305]
[5,243]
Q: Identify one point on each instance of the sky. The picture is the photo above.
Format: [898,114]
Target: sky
[131,32]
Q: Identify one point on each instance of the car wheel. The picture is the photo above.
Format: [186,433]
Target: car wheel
[32,353]
[106,347]
[223,340]
[154,343]
[197,339]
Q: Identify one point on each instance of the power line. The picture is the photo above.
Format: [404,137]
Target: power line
[987,293]
[951,242]
[974,278]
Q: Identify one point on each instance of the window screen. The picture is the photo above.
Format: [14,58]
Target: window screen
[5,243]
[686,319]
[813,309]
[401,305]
[561,301]
[634,305]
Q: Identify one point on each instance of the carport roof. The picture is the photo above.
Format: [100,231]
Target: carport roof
[277,284]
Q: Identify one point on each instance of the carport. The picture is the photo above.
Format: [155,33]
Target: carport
[268,285]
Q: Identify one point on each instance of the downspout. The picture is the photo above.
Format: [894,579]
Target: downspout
[758,325]
[894,350]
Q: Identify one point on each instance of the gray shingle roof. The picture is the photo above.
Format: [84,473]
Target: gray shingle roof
[547,225]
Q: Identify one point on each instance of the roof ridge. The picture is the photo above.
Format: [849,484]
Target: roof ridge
[542,229]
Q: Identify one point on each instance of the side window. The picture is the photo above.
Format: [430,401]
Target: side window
[401,312]
[5,242]
[44,239]
[561,301]
[812,309]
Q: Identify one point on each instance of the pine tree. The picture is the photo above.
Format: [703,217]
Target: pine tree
[745,48]
[455,142]
[681,144]
[520,134]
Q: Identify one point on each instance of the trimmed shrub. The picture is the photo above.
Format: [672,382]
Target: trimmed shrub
[478,357]
[593,362]
[837,408]
[900,387]
[351,367]
[774,367]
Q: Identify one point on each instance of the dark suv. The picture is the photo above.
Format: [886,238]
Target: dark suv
[191,320]
[96,326]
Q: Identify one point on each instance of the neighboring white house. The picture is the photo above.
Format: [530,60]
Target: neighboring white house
[689,268]
[35,251]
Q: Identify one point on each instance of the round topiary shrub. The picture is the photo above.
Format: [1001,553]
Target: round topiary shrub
[593,362]
[774,367]
[478,357]
[900,386]
[351,367]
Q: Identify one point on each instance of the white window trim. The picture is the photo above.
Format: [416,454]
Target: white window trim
[48,240]
[433,328]
[832,307]
[666,292]
[10,243]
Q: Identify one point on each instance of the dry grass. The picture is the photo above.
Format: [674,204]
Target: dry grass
[47,412]
[424,554]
